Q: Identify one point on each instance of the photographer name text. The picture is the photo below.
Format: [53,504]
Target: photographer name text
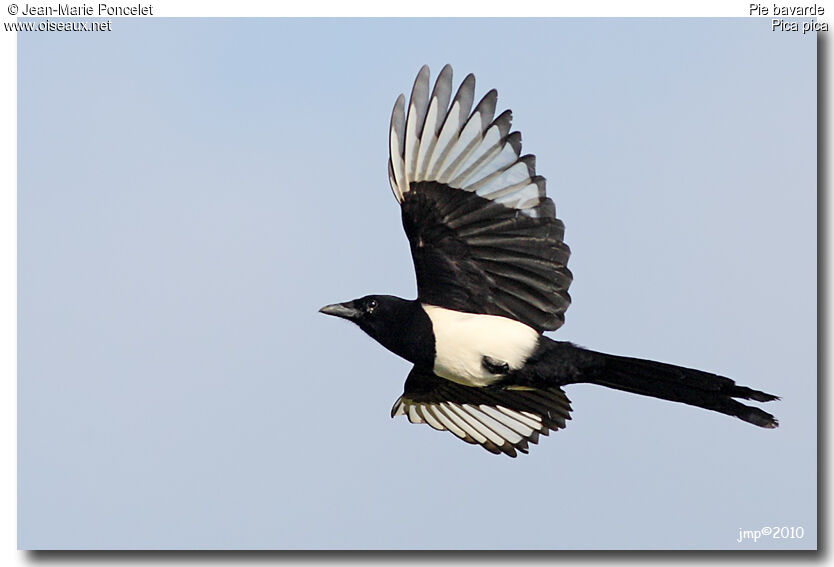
[87,10]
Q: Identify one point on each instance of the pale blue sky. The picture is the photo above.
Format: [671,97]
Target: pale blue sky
[191,191]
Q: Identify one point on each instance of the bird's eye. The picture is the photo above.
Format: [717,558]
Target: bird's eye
[371,306]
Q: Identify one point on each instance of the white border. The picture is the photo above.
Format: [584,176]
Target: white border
[250,8]
[8,297]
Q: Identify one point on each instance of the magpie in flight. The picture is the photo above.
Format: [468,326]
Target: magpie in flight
[492,276]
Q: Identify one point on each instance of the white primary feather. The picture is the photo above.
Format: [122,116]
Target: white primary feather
[396,164]
[477,421]
[434,120]
[472,431]
[491,145]
[447,422]
[430,419]
[495,427]
[446,144]
[498,430]
[413,416]
[527,418]
[417,109]
[519,427]
[470,138]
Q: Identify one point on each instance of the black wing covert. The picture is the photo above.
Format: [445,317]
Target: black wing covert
[484,236]
[501,419]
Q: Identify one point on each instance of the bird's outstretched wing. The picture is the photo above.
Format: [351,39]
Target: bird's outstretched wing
[500,419]
[484,236]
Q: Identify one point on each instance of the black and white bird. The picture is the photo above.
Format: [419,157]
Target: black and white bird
[492,276]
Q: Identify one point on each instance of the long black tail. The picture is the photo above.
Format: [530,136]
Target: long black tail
[686,385]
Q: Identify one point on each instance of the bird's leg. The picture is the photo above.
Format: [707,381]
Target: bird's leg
[494,366]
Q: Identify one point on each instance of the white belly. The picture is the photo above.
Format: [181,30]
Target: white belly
[463,339]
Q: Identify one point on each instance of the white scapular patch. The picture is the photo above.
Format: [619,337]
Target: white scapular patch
[461,340]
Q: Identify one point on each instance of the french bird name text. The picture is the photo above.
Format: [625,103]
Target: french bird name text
[779,24]
[776,10]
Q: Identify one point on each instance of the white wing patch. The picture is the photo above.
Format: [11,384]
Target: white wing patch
[499,418]
[436,141]
[496,428]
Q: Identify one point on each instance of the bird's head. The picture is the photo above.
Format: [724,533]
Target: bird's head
[385,318]
[371,312]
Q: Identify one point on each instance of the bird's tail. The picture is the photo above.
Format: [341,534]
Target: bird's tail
[685,385]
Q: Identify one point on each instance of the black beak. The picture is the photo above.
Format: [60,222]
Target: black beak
[343,310]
